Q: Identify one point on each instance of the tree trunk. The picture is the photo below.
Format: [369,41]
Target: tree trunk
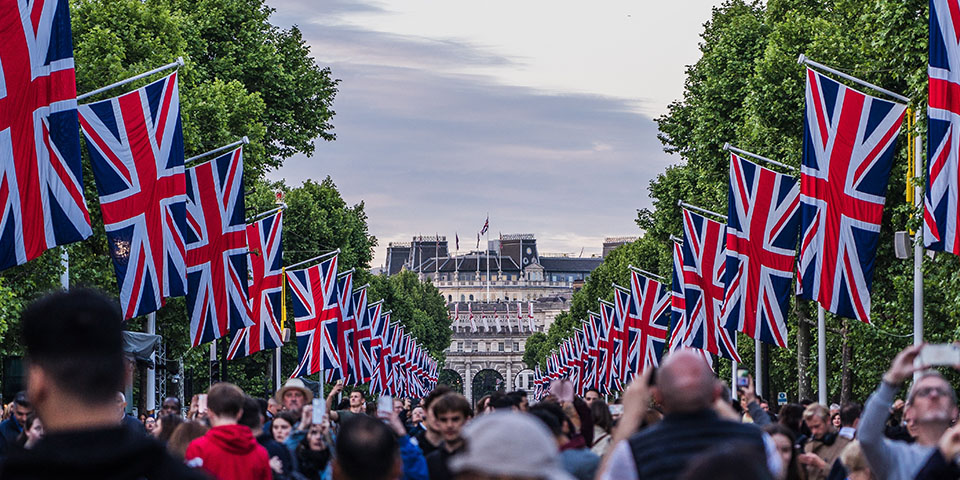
[846,373]
[804,339]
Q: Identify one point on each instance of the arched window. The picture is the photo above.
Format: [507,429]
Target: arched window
[471,297]
[462,298]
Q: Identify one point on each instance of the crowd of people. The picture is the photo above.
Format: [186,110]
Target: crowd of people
[675,422]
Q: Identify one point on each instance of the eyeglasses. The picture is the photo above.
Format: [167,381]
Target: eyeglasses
[927,391]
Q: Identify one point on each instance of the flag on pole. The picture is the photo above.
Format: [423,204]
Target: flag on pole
[520,317]
[648,319]
[483,318]
[530,316]
[704,262]
[486,225]
[378,333]
[41,176]
[473,322]
[457,237]
[678,307]
[217,294]
[762,231]
[313,291]
[605,342]
[496,319]
[345,327]
[362,364]
[848,146]
[941,207]
[265,287]
[136,154]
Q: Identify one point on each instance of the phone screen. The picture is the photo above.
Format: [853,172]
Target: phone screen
[202,403]
[385,404]
[742,380]
[319,409]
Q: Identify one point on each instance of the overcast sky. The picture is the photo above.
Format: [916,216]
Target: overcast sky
[539,112]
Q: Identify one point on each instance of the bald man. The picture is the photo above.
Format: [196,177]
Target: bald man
[687,390]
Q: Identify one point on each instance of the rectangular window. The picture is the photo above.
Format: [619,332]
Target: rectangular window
[501,346]
[516,346]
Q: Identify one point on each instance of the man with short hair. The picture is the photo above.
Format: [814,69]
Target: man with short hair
[431,438]
[11,428]
[520,399]
[451,411]
[849,420]
[75,366]
[357,404]
[228,450]
[273,406]
[931,407]
[688,390]
[591,395]
[128,421]
[171,406]
[824,446]
[366,450]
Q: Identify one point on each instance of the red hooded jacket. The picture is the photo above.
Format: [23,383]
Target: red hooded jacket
[230,452]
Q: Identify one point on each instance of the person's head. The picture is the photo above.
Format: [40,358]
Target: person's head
[482,404]
[685,384]
[224,404]
[591,395]
[784,439]
[451,412]
[397,405]
[817,418]
[32,431]
[182,435]
[121,402]
[507,446]
[357,398]
[21,408]
[273,406]
[74,354]
[855,463]
[282,425]
[834,409]
[553,417]
[294,395]
[170,405]
[835,420]
[150,424]
[499,401]
[366,450]
[600,412]
[931,400]
[519,398]
[251,416]
[417,415]
[765,406]
[429,421]
[850,414]
[791,416]
[314,439]
[166,425]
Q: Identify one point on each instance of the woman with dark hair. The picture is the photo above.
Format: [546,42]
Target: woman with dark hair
[785,439]
[166,425]
[791,416]
[313,452]
[282,426]
[602,427]
[32,432]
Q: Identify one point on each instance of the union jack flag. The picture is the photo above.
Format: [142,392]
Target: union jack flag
[607,342]
[314,292]
[41,182]
[762,232]
[704,259]
[378,334]
[386,356]
[216,235]
[678,303]
[136,152]
[346,325]
[597,351]
[648,319]
[396,345]
[265,287]
[941,212]
[362,339]
[848,146]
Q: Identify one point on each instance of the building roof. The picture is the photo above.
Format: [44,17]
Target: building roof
[570,264]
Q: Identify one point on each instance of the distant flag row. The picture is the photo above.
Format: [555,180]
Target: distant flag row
[346,337]
[736,276]
[519,318]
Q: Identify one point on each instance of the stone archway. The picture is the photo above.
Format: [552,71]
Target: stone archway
[485,382]
[451,379]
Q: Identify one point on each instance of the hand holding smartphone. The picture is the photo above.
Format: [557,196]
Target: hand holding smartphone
[202,403]
[385,404]
[319,410]
[939,354]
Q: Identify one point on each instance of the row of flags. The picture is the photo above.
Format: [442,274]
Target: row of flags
[736,275]
[519,319]
[172,230]
[343,336]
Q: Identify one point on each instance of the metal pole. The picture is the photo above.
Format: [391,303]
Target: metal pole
[487,234]
[242,141]
[65,262]
[727,146]
[151,393]
[804,60]
[758,368]
[918,248]
[821,355]
[178,63]
[733,382]
[695,208]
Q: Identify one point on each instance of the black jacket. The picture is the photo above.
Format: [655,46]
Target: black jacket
[108,454]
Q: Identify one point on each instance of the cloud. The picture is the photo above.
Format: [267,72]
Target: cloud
[431,149]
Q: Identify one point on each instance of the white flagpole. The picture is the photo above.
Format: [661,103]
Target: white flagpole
[733,382]
[758,368]
[918,248]
[151,393]
[177,63]
[487,248]
[821,355]
[276,367]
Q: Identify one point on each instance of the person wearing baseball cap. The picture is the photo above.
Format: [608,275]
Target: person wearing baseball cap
[506,445]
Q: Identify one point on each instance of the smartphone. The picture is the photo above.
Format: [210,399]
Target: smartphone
[202,403]
[385,404]
[319,409]
[742,380]
[940,354]
[616,409]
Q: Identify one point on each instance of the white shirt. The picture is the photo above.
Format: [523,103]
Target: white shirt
[848,432]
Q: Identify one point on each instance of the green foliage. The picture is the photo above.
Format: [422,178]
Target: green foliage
[747,89]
